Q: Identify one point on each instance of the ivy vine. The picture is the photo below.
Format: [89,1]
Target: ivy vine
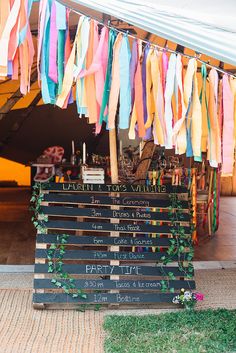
[38,217]
[55,253]
[181,245]
[62,279]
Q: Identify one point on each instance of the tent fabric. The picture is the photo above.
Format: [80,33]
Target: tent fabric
[206,26]
[27,137]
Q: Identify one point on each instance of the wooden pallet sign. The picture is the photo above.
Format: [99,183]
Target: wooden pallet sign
[111,245]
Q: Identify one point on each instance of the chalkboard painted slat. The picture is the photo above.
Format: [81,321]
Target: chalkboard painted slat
[119,188]
[103,298]
[130,202]
[107,213]
[108,255]
[108,227]
[122,270]
[101,240]
[99,284]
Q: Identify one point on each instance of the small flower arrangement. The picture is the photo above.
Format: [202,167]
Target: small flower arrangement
[187,298]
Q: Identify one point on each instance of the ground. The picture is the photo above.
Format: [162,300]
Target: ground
[25,330]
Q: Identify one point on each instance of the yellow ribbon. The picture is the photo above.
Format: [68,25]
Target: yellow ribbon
[68,76]
[179,130]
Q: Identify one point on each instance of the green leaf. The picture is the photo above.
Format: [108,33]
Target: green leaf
[53,246]
[97,307]
[82,307]
[172,290]
[189,275]
[171,275]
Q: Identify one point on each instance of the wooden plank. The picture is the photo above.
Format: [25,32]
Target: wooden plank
[137,215]
[97,200]
[116,188]
[114,248]
[103,298]
[108,227]
[146,158]
[40,261]
[100,240]
[122,270]
[114,180]
[107,255]
[100,284]
[226,186]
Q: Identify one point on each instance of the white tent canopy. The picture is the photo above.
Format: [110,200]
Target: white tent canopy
[206,26]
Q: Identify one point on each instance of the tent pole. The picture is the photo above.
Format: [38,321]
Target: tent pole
[114,180]
[112,140]
[113,156]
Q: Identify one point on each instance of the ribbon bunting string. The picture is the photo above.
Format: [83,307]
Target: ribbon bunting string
[119,80]
[16,42]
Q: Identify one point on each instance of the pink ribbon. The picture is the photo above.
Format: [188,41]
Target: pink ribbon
[42,17]
[53,45]
[98,67]
[164,69]
[228,128]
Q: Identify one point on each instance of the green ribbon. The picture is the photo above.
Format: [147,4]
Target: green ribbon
[60,58]
[107,85]
[159,179]
[203,95]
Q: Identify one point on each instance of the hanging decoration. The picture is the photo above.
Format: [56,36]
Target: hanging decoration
[53,49]
[16,43]
[144,90]
[151,93]
[122,82]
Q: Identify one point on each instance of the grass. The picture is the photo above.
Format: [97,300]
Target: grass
[206,331]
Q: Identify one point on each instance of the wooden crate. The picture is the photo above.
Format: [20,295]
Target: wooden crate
[93,176]
[113,263]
